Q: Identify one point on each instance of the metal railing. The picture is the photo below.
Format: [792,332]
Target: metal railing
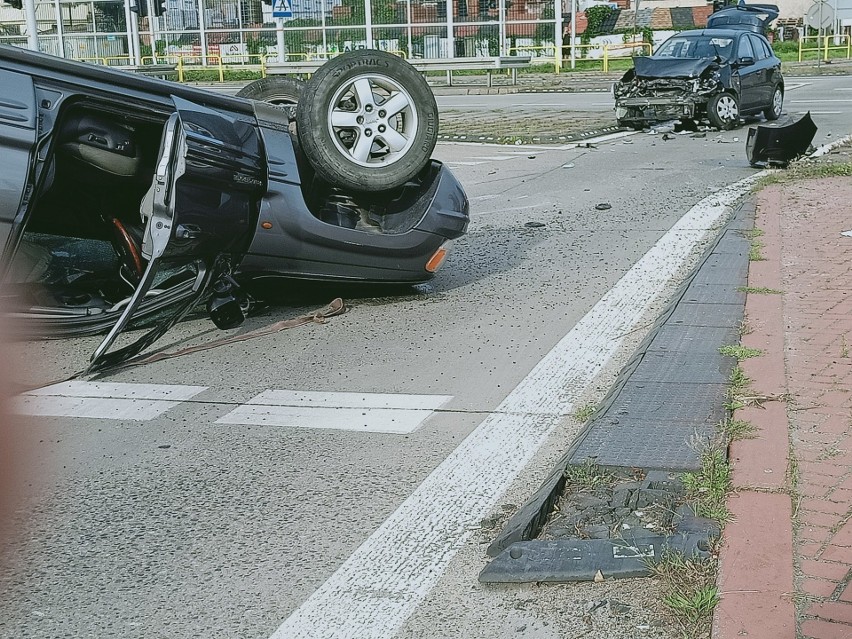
[524,49]
[827,47]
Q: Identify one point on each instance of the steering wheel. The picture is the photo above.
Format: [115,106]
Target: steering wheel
[127,241]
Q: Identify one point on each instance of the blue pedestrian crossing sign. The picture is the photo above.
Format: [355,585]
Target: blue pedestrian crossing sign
[282,9]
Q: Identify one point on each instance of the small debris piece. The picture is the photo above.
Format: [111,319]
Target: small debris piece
[534,225]
[618,607]
[698,135]
[667,137]
[594,605]
[603,206]
[531,157]
[846,233]
[586,145]
[599,577]
[570,165]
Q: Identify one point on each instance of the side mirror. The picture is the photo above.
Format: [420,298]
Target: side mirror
[745,61]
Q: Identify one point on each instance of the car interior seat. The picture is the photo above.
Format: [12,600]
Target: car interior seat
[101,143]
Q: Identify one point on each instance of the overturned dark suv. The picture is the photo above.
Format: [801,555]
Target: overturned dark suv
[127,200]
[719,73]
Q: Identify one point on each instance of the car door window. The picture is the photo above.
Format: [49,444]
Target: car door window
[745,50]
[760,51]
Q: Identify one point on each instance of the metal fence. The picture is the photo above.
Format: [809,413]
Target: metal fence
[244,31]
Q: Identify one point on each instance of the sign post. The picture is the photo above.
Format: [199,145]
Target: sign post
[281,9]
[820,19]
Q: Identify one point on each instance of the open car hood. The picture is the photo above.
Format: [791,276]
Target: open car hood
[651,67]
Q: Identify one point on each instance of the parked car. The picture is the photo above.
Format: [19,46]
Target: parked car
[719,73]
[125,197]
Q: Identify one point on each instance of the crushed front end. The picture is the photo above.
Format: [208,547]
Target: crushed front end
[645,97]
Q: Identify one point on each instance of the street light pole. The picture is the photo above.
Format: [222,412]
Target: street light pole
[32,24]
[573,32]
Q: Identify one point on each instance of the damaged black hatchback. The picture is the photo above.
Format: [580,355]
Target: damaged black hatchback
[719,73]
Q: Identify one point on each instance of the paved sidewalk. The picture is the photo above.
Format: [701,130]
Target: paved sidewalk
[779,580]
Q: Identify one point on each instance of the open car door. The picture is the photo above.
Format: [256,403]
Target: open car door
[199,213]
[18,129]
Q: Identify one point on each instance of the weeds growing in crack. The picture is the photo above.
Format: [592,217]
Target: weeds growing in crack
[689,592]
[583,413]
[759,290]
[755,245]
[737,429]
[707,488]
[588,476]
[737,389]
[739,352]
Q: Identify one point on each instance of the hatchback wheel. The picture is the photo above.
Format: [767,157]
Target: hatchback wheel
[723,111]
[773,111]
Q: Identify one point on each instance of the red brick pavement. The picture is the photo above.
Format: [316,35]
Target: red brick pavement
[798,582]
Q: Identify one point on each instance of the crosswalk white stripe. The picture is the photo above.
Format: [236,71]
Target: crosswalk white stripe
[364,412]
[104,400]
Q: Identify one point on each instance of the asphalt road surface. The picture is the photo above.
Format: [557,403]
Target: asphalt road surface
[331,480]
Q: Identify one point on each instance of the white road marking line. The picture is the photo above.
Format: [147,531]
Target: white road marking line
[819,101]
[104,400]
[791,87]
[820,112]
[374,591]
[363,412]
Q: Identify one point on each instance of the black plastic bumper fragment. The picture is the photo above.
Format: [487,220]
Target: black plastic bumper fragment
[778,146]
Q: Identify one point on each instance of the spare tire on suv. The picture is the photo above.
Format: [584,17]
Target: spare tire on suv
[371,123]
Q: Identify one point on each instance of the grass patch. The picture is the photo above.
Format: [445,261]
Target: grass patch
[759,290]
[737,430]
[804,171]
[588,476]
[583,413]
[707,489]
[739,352]
[689,592]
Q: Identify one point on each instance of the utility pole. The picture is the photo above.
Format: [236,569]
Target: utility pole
[32,24]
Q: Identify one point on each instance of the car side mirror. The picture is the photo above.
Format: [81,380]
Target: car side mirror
[745,61]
